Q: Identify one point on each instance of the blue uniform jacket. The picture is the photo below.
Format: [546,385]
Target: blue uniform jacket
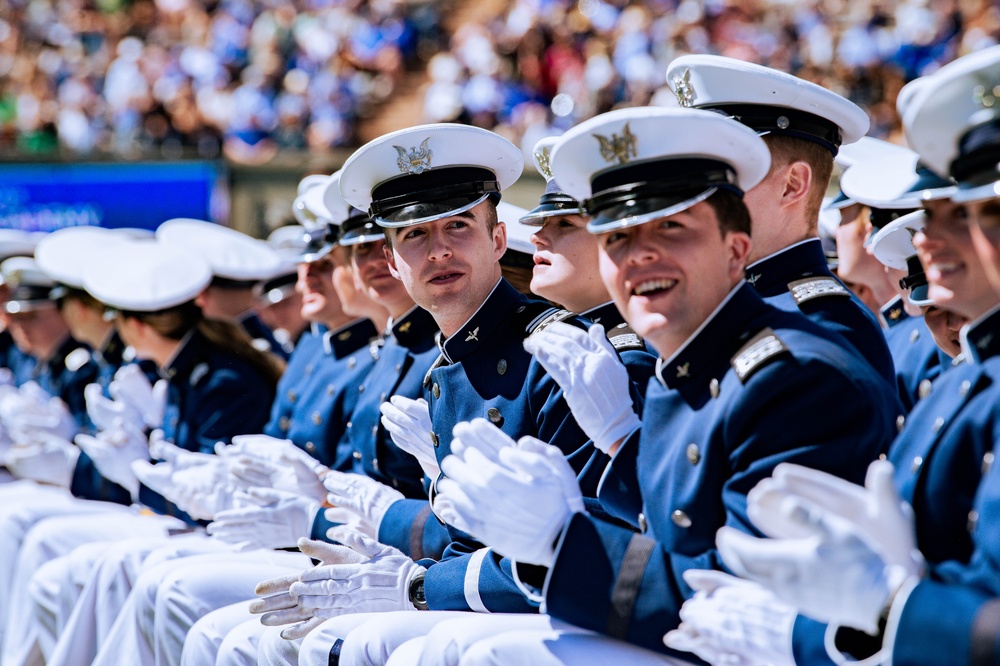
[319,390]
[64,375]
[917,358]
[212,396]
[753,389]
[798,279]
[403,360]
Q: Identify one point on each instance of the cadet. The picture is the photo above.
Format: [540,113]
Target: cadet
[935,608]
[735,375]
[13,243]
[803,125]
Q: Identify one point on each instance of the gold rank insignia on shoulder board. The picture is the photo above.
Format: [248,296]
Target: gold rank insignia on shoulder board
[623,338]
[757,353]
[546,319]
[810,288]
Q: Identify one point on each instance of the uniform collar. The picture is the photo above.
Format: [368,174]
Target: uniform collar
[415,326]
[59,358]
[715,341]
[113,350]
[492,314]
[606,314]
[893,312]
[770,276]
[981,338]
[184,357]
[349,338]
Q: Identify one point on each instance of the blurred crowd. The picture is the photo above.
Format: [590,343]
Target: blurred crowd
[242,77]
[251,77]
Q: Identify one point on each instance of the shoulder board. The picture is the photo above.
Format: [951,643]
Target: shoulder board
[623,338]
[757,353]
[819,287]
[77,358]
[546,319]
[199,372]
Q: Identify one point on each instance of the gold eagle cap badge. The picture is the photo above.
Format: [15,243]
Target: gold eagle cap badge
[619,148]
[415,160]
[542,155]
[683,89]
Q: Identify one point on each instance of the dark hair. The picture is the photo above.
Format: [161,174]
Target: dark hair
[731,212]
[788,149]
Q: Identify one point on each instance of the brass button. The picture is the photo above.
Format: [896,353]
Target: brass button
[502,367]
[713,388]
[914,336]
[915,465]
[987,462]
[963,390]
[973,521]
[284,422]
[436,390]
[900,422]
[357,455]
[330,389]
[643,525]
[374,429]
[434,439]
[350,424]
[351,362]
[361,389]
[693,454]
[938,422]
[309,369]
[382,398]
[681,519]
[310,447]
[399,366]
[395,483]
[494,415]
[292,396]
[924,388]
[375,464]
[317,418]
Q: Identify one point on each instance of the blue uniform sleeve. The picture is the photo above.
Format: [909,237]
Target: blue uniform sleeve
[480,581]
[410,526]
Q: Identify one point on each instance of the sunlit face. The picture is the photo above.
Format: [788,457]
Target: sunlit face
[667,276]
[286,314]
[764,203]
[37,332]
[854,262]
[566,266]
[320,302]
[449,266]
[945,327]
[984,218]
[372,274]
[957,278]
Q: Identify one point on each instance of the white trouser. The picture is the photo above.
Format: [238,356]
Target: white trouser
[273,650]
[407,654]
[54,537]
[172,594]
[369,638]
[204,641]
[559,648]
[240,647]
[447,641]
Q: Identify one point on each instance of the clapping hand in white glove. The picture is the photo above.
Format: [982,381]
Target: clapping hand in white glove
[161,448]
[593,378]
[279,607]
[132,387]
[113,452]
[380,582]
[733,621]
[823,564]
[516,499]
[34,410]
[366,497]
[46,458]
[265,518]
[201,491]
[286,466]
[408,422]
[104,412]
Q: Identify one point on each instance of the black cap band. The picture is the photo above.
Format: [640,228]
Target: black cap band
[783,120]
[431,194]
[882,216]
[978,154]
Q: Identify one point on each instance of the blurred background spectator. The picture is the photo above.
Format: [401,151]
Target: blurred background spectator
[249,78]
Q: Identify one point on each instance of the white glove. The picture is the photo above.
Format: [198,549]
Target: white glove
[279,607]
[46,458]
[34,410]
[161,448]
[265,518]
[113,452]
[289,467]
[828,569]
[132,387]
[366,497]
[103,412]
[883,519]
[379,583]
[594,380]
[734,622]
[408,422]
[6,377]
[518,503]
[201,491]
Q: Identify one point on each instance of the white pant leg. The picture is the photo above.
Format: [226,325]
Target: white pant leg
[557,648]
[447,641]
[373,642]
[241,646]
[315,647]
[201,646]
[408,654]
[273,650]
[54,537]
[208,582]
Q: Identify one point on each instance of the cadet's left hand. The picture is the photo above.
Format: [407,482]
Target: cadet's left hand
[132,387]
[733,621]
[380,582]
[515,499]
[366,497]
[34,410]
[265,518]
[593,378]
[46,458]
[113,452]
